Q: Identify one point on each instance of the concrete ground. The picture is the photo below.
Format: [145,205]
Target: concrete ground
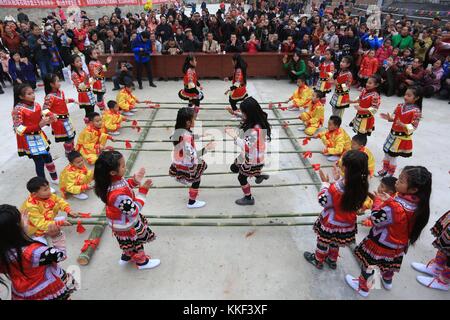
[233,262]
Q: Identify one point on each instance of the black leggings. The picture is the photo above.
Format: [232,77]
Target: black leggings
[233,104]
[243,180]
[148,68]
[39,163]
[195,185]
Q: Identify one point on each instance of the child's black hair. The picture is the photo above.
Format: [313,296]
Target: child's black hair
[72,64]
[183,116]
[302,78]
[88,56]
[73,155]
[12,241]
[111,104]
[34,184]
[240,64]
[360,139]
[187,62]
[419,177]
[356,180]
[48,80]
[349,60]
[254,115]
[91,116]
[319,94]
[19,90]
[377,78]
[107,161]
[389,183]
[418,93]
[336,120]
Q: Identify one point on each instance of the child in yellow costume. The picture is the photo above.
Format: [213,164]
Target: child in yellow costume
[302,97]
[127,100]
[313,118]
[41,208]
[112,119]
[92,139]
[335,139]
[359,142]
[76,178]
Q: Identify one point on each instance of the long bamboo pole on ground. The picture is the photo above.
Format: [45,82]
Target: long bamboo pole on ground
[203,120]
[226,173]
[213,151]
[208,224]
[299,150]
[85,257]
[238,186]
[217,140]
[167,126]
[220,216]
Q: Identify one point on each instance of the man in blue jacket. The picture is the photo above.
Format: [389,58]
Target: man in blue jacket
[142,48]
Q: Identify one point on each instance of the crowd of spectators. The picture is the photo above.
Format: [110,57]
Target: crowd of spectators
[402,52]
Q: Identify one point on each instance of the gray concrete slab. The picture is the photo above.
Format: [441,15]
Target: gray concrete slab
[225,262]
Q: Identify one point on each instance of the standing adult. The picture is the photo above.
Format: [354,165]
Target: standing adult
[142,48]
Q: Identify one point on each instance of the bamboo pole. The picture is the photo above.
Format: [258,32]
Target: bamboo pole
[299,150]
[217,140]
[85,257]
[166,126]
[203,120]
[226,173]
[213,151]
[209,103]
[276,185]
[208,224]
[219,216]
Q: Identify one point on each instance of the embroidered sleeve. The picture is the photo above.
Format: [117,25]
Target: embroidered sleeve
[324,197]
[382,216]
[411,127]
[375,105]
[128,206]
[48,101]
[190,77]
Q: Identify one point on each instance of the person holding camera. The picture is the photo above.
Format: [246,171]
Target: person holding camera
[124,74]
[142,48]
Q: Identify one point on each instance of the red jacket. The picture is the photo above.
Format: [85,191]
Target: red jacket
[369,66]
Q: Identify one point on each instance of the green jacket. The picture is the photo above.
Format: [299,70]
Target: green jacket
[299,67]
[402,42]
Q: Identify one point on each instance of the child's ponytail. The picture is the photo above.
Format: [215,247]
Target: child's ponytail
[419,177]
[356,180]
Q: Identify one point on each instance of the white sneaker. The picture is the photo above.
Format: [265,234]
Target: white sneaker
[123,262]
[196,204]
[301,129]
[128,114]
[387,286]
[354,284]
[81,196]
[55,182]
[433,283]
[428,269]
[114,133]
[152,263]
[52,190]
[332,158]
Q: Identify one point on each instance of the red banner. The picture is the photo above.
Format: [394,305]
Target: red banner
[69,3]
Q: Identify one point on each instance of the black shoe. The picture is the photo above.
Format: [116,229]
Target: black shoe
[311,258]
[115,89]
[140,87]
[152,85]
[332,264]
[245,202]
[261,178]
[1,90]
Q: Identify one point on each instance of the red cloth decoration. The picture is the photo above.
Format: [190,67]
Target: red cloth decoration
[283,108]
[270,105]
[109,148]
[85,215]
[134,123]
[367,223]
[316,166]
[80,228]
[93,243]
[138,129]
[306,141]
[279,104]
[285,124]
[307,154]
[128,144]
